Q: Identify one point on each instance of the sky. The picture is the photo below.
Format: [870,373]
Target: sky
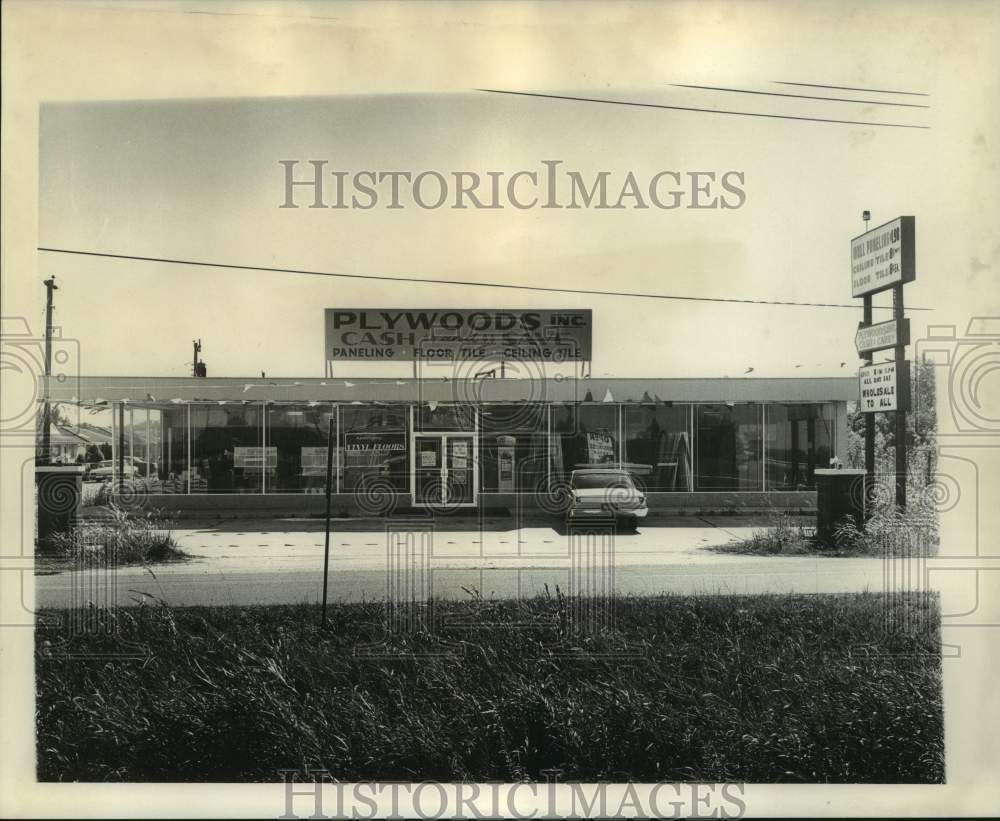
[198,177]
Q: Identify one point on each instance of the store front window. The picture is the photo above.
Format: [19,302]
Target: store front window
[227,452]
[374,443]
[512,447]
[173,451]
[583,436]
[299,433]
[729,447]
[143,448]
[799,440]
[657,446]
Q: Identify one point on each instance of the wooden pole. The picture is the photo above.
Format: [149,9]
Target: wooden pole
[44,458]
[329,496]
[121,447]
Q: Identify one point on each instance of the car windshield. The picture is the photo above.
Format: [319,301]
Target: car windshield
[586,481]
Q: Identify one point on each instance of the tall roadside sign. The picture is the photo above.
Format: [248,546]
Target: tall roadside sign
[883,259]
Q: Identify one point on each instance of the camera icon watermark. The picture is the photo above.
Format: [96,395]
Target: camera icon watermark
[22,363]
[966,372]
[972,378]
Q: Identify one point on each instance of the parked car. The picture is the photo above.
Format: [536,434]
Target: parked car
[105,470]
[607,492]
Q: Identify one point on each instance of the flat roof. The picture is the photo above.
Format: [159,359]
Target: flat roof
[169,390]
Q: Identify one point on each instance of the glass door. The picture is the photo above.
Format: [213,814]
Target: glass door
[445,469]
[459,471]
[430,471]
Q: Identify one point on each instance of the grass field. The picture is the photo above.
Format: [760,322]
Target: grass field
[744,688]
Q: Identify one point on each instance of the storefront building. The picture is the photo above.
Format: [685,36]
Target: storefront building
[251,445]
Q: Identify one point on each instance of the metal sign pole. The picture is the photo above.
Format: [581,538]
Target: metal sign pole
[869,427]
[881,259]
[329,491]
[902,400]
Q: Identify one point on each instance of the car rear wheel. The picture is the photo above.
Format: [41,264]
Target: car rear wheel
[628,523]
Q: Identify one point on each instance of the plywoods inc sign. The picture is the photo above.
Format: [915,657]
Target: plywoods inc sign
[883,257]
[402,335]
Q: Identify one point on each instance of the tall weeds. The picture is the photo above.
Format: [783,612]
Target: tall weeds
[122,537]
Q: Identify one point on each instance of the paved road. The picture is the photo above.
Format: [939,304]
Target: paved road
[281,561]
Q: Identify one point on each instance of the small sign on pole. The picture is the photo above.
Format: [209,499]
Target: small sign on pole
[884,387]
[881,336]
[883,257]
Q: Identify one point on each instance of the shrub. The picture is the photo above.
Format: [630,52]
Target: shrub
[892,532]
[782,536]
[124,537]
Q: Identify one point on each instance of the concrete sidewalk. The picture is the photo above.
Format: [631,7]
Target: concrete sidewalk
[362,542]
[280,561]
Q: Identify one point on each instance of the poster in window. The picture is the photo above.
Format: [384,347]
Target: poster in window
[600,447]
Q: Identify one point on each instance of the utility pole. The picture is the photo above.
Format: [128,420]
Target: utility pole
[50,286]
[198,368]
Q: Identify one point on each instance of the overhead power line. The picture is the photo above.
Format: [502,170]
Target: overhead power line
[801,96]
[460,282]
[699,110]
[852,88]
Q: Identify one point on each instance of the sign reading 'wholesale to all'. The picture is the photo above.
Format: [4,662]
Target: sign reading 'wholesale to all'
[882,335]
[882,389]
[883,257]
[404,335]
